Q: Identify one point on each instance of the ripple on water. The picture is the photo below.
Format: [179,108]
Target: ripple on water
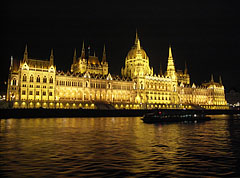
[118,147]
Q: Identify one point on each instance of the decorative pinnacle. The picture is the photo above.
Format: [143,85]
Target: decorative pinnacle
[170,52]
[220,80]
[185,70]
[104,54]
[212,78]
[25,56]
[74,56]
[51,52]
[83,51]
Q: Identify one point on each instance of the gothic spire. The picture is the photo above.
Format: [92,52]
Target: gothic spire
[170,53]
[83,51]
[160,71]
[104,54]
[25,56]
[170,65]
[75,56]
[220,80]
[185,70]
[212,78]
[51,57]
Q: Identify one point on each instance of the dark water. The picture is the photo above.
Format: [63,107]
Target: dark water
[119,147]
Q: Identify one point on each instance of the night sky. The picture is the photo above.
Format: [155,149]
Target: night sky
[204,34]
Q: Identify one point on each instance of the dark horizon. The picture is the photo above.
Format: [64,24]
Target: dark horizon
[205,35]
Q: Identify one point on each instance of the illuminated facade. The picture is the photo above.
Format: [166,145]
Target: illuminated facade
[36,83]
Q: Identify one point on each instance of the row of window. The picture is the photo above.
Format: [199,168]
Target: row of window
[38,79]
[37,93]
[92,85]
[158,98]
[37,86]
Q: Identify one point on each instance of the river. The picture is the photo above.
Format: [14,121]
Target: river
[119,147]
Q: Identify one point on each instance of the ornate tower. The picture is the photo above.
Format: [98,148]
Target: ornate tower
[104,62]
[170,67]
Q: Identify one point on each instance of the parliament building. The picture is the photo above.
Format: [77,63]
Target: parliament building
[36,83]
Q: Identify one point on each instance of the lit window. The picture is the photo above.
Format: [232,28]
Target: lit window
[44,93]
[38,79]
[37,92]
[24,78]
[50,93]
[23,92]
[45,79]
[51,80]
[30,92]
[31,78]
[14,81]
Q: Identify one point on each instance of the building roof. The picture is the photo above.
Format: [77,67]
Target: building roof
[35,63]
[93,60]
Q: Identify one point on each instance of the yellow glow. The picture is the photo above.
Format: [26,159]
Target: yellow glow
[137,88]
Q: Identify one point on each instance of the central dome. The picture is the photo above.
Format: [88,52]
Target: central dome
[132,54]
[136,62]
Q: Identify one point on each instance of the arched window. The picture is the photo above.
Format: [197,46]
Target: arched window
[24,78]
[31,78]
[51,80]
[44,79]
[86,84]
[38,79]
[14,82]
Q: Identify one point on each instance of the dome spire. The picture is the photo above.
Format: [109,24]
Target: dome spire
[138,45]
[136,40]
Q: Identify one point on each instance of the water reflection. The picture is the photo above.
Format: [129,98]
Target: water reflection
[118,147]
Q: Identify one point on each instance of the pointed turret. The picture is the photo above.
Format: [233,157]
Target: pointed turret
[104,58]
[83,52]
[51,57]
[160,71]
[185,70]
[220,80]
[170,65]
[94,54]
[212,78]
[170,53]
[25,56]
[75,56]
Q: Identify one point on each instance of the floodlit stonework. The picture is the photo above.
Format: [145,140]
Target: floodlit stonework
[36,83]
